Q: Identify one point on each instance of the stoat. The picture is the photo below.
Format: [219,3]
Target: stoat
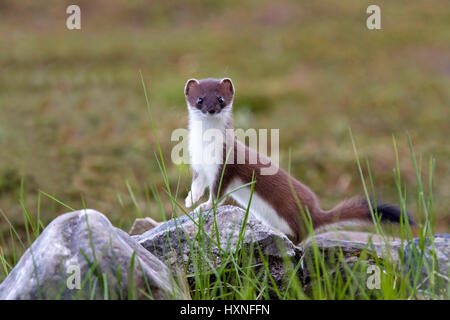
[279,200]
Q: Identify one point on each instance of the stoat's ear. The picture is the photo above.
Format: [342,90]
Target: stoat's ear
[191,83]
[227,84]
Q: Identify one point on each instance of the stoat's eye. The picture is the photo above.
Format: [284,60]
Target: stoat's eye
[220,99]
[199,101]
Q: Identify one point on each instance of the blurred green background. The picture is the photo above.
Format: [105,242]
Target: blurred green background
[73,119]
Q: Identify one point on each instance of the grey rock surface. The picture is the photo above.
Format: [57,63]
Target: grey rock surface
[434,261]
[343,249]
[172,240]
[141,225]
[100,252]
[104,254]
[172,243]
[353,243]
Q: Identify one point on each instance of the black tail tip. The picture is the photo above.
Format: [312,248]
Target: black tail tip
[391,213]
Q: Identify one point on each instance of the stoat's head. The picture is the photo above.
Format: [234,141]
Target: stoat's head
[209,97]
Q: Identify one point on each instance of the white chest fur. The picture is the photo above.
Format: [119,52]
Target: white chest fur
[206,138]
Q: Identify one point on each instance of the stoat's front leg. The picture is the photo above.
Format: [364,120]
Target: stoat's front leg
[198,187]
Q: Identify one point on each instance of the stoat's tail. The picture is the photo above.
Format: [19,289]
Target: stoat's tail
[358,209]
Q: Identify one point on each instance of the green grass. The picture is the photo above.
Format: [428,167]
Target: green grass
[242,274]
[74,131]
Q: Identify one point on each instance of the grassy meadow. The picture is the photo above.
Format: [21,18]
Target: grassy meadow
[74,123]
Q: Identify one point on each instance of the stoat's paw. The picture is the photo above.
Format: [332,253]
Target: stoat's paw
[196,195]
[188,200]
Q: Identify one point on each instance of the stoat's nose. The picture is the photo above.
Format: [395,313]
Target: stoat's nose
[212,111]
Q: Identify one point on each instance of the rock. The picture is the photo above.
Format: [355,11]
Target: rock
[85,243]
[141,225]
[434,264]
[356,236]
[172,241]
[342,251]
[353,243]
